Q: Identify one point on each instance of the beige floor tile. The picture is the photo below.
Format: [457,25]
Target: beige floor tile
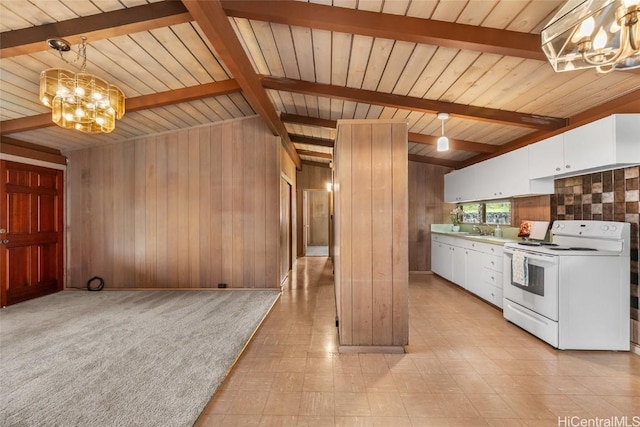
[464,366]
[317,403]
[278,421]
[491,406]
[386,405]
[283,403]
[348,404]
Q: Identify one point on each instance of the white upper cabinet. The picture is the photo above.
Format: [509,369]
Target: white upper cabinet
[546,158]
[460,185]
[604,144]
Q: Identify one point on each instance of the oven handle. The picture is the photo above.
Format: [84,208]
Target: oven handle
[550,259]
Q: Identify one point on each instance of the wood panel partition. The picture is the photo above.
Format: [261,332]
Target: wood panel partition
[188,209]
[371,245]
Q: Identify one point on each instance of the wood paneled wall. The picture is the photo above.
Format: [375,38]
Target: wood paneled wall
[308,178]
[188,209]
[370,248]
[426,207]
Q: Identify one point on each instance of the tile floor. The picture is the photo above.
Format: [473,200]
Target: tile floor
[464,366]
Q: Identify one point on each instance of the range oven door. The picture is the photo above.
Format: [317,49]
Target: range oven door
[541,293]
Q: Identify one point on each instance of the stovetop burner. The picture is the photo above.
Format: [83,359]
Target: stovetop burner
[564,248]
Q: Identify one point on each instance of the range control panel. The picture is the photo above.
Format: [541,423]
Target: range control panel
[597,229]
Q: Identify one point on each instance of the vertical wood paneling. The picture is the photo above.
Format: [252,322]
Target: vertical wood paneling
[426,190]
[371,243]
[308,178]
[177,210]
[361,234]
[194,211]
[172,209]
[382,227]
[399,234]
[204,202]
[162,229]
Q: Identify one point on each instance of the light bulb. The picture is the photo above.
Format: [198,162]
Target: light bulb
[79,91]
[100,121]
[586,28]
[443,144]
[600,40]
[97,96]
[79,112]
[68,117]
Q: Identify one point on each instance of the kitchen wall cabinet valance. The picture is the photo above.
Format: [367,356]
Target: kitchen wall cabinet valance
[607,143]
[371,257]
[497,178]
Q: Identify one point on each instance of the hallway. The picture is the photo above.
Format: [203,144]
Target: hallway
[464,366]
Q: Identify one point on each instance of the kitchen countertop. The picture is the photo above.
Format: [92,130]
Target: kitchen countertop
[475,237]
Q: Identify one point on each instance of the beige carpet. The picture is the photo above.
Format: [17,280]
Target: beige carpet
[121,358]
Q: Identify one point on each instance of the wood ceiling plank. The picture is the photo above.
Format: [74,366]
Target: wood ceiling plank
[214,23]
[316,164]
[266,40]
[378,59]
[416,65]
[455,69]
[303,48]
[467,81]
[340,56]
[360,53]
[410,103]
[94,27]
[199,49]
[286,50]
[433,32]
[400,55]
[132,104]
[433,70]
[322,55]
[434,161]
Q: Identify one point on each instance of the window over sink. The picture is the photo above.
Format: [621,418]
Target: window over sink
[494,212]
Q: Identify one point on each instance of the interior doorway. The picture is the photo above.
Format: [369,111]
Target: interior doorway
[315,213]
[285,229]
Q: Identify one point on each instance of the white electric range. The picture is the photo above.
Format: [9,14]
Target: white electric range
[573,293]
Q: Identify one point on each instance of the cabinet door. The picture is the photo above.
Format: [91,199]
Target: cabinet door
[589,146]
[441,259]
[546,158]
[459,266]
[474,271]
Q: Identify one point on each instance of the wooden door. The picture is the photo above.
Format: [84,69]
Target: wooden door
[31,221]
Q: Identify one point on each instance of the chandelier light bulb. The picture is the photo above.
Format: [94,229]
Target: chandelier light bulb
[600,41]
[586,29]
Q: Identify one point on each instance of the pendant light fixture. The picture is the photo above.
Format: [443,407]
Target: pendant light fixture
[443,141]
[600,34]
[81,100]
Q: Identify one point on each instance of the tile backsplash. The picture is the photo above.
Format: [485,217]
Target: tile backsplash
[605,196]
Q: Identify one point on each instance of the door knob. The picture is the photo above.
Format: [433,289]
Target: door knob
[4,241]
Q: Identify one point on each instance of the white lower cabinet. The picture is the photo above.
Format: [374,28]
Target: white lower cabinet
[475,266]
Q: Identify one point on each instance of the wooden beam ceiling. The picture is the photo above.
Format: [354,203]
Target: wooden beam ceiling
[94,27]
[415,104]
[315,154]
[311,141]
[137,103]
[215,25]
[389,26]
[432,160]
[418,138]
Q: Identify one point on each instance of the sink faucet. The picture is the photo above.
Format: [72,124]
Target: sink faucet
[476,229]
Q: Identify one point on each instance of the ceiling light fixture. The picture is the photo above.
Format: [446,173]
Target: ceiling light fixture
[443,141]
[80,101]
[600,34]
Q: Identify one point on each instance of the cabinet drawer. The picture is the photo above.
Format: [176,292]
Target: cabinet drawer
[492,262]
[492,277]
[491,294]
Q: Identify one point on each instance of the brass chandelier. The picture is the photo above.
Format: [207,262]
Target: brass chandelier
[600,34]
[81,100]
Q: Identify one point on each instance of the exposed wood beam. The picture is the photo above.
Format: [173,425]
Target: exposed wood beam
[186,94]
[394,27]
[32,151]
[412,103]
[311,141]
[316,164]
[315,154]
[629,103]
[435,161]
[215,25]
[94,27]
[137,103]
[418,138]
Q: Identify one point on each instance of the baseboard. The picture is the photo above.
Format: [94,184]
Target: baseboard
[393,349]
[420,272]
[635,348]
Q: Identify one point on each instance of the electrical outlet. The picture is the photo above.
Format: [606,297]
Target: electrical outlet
[222,285]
